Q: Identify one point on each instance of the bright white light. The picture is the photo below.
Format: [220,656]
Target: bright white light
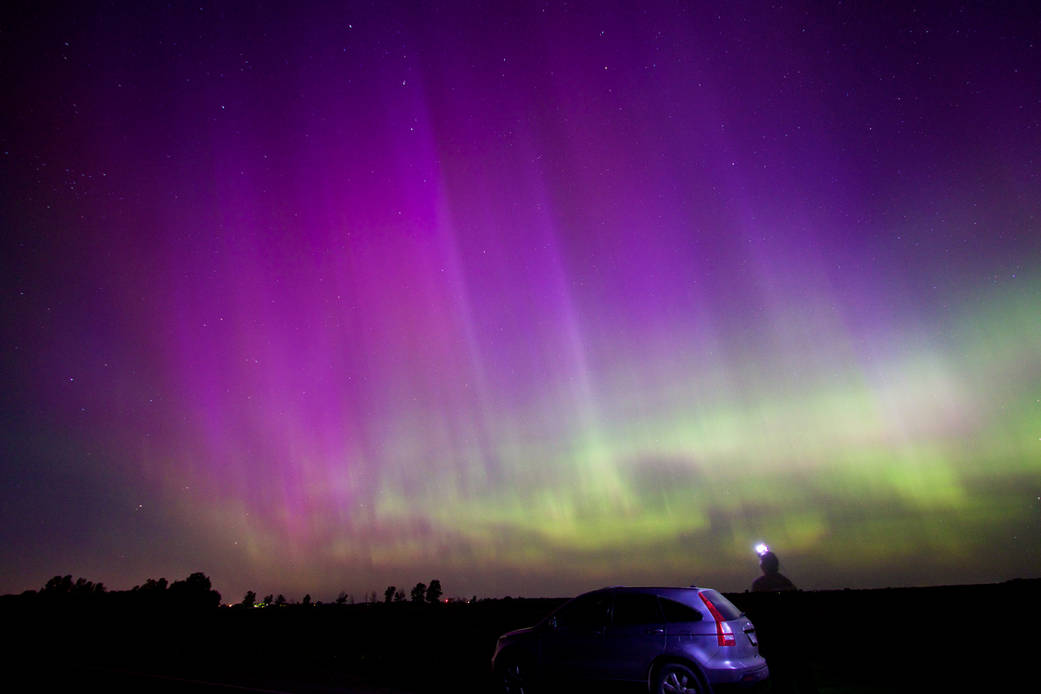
[761,549]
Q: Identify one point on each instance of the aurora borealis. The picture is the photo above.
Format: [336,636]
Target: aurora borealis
[530,298]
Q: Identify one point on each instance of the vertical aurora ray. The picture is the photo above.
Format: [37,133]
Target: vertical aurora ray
[528,301]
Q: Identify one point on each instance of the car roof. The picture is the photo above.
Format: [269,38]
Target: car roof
[648,589]
[681,593]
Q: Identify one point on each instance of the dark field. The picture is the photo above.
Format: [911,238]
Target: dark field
[915,639]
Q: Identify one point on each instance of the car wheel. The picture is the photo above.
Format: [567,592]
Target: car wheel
[515,677]
[673,678]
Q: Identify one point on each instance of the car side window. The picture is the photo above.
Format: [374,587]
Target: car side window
[635,608]
[678,612]
[585,612]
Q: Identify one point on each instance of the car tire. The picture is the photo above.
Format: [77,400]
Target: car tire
[514,677]
[676,678]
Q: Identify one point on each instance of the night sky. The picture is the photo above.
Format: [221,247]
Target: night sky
[531,299]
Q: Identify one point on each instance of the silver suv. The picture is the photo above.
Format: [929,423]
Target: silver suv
[673,639]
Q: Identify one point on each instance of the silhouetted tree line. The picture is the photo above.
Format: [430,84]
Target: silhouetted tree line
[63,585]
[192,593]
[421,594]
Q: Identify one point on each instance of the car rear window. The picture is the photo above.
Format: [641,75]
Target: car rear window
[725,607]
[678,612]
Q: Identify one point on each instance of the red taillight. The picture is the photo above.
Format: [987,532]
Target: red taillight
[724,634]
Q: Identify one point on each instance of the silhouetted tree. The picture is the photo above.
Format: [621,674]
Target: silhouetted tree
[249,599]
[434,591]
[307,600]
[388,594]
[154,585]
[152,594]
[58,585]
[280,600]
[268,599]
[63,585]
[83,586]
[419,592]
[194,592]
[399,596]
[341,599]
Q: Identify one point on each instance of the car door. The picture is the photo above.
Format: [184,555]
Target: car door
[634,637]
[572,644]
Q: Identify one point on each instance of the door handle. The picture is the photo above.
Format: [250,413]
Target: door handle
[658,630]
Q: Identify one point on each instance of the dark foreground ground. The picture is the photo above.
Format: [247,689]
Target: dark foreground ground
[917,639]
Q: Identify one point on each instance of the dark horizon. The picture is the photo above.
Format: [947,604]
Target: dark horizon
[91,590]
[528,298]
[348,598]
[134,642]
